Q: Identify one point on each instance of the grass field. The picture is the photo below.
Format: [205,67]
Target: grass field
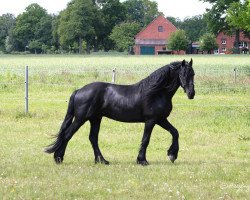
[214,156]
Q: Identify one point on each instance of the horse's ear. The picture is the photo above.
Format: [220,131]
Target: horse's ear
[191,62]
[183,63]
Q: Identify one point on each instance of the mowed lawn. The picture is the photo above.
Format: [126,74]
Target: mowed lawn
[214,156]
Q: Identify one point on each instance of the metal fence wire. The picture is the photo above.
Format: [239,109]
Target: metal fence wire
[37,77]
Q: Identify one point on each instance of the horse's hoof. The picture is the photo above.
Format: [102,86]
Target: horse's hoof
[105,162]
[142,162]
[171,158]
[102,161]
[58,160]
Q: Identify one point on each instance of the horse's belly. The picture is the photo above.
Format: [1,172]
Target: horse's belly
[123,115]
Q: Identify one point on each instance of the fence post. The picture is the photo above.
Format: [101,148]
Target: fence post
[114,75]
[26,89]
[235,74]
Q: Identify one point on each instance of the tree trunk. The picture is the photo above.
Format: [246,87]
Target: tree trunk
[237,41]
[88,47]
[95,44]
[80,45]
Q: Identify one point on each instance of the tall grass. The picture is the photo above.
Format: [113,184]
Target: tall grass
[214,155]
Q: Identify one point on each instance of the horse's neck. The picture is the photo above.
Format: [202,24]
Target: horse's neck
[173,85]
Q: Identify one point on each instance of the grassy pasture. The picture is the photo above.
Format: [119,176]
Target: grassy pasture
[214,155]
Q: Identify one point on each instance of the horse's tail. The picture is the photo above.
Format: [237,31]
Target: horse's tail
[66,123]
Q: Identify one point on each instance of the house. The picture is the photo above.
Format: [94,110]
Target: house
[152,40]
[226,43]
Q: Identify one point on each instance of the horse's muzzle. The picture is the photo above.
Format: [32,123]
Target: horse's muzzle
[191,94]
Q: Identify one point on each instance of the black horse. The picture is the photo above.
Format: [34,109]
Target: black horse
[148,101]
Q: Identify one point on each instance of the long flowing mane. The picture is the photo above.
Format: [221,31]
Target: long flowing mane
[160,79]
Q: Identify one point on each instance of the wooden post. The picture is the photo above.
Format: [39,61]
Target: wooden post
[114,75]
[235,74]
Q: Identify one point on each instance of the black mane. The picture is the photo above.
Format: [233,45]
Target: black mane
[160,79]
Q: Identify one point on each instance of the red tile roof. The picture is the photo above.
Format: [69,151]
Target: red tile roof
[151,31]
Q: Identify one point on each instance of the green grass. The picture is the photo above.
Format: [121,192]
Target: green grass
[214,157]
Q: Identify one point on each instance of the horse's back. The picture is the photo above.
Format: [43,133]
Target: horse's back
[122,103]
[118,102]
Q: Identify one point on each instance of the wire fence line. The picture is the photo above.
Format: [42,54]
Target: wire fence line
[122,70]
[32,72]
[78,86]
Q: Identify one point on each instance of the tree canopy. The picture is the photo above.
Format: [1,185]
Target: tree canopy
[87,25]
[208,42]
[77,23]
[33,24]
[123,35]
[238,15]
[178,41]
[7,23]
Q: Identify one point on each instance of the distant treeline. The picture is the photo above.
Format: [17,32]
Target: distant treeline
[85,26]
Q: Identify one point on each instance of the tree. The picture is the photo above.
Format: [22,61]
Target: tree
[7,23]
[112,13]
[194,27]
[123,35]
[9,44]
[216,18]
[33,24]
[76,23]
[35,46]
[141,11]
[238,15]
[208,42]
[175,21]
[55,36]
[178,41]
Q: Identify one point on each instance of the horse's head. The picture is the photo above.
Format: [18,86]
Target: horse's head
[186,76]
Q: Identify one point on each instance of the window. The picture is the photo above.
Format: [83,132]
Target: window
[160,28]
[243,44]
[223,41]
[216,51]
[224,49]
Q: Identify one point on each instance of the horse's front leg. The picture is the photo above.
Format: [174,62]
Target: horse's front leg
[141,159]
[174,148]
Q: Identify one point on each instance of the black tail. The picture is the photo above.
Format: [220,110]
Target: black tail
[66,123]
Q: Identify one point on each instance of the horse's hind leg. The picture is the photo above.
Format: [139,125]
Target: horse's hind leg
[59,153]
[93,137]
[174,148]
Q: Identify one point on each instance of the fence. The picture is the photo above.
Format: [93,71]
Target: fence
[234,73]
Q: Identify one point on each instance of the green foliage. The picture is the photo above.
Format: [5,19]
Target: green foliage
[33,24]
[7,23]
[8,45]
[178,41]
[175,21]
[216,16]
[208,42]
[238,15]
[194,27]
[76,23]
[123,35]
[141,11]
[111,13]
[35,46]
